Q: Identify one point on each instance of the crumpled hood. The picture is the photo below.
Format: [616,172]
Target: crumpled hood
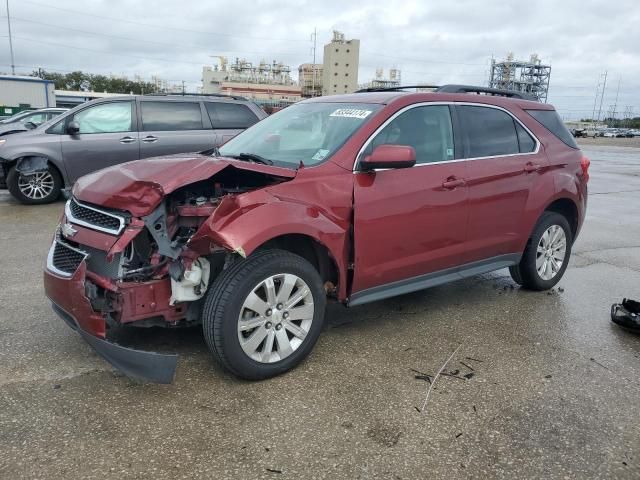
[140,186]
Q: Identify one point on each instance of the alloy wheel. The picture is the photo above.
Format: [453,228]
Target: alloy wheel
[551,252]
[275,318]
[36,186]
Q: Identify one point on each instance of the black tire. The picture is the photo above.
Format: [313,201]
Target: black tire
[526,273]
[225,299]
[12,184]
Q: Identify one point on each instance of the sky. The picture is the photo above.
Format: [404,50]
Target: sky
[431,42]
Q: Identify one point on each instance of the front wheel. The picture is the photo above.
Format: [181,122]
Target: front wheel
[546,255]
[263,315]
[36,188]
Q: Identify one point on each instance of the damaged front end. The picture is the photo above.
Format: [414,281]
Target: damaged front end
[145,264]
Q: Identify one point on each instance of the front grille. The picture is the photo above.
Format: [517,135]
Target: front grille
[65,259]
[93,218]
[97,262]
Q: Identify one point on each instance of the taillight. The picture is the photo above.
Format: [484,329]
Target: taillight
[584,164]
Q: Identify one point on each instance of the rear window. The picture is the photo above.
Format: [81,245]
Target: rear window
[230,115]
[171,116]
[552,122]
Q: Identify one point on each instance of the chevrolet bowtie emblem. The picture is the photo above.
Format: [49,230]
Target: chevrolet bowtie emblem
[68,230]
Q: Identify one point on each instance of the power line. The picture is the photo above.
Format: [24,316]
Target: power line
[138,40]
[162,27]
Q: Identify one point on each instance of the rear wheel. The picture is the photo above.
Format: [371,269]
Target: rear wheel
[36,188]
[263,315]
[546,256]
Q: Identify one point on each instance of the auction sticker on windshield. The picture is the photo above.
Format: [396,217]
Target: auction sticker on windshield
[351,113]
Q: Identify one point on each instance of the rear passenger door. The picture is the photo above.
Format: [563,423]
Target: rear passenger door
[229,119]
[503,164]
[168,127]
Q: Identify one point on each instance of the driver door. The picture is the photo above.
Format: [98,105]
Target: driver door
[410,222]
[108,136]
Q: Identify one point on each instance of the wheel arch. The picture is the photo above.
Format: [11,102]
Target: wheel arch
[568,209]
[16,163]
[309,248]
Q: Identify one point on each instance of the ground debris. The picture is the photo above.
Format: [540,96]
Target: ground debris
[273,470]
[474,359]
[426,399]
[468,366]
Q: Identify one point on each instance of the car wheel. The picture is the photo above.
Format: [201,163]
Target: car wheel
[263,315]
[35,189]
[546,255]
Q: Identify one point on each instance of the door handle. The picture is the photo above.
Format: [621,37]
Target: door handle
[531,167]
[150,139]
[127,140]
[453,182]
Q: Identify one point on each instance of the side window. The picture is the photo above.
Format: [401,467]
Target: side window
[552,122]
[427,129]
[36,118]
[171,116]
[527,143]
[105,118]
[230,115]
[58,128]
[489,131]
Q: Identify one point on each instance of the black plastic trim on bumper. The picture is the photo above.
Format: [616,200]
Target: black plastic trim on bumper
[136,364]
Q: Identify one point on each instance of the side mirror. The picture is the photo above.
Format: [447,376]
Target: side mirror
[73,128]
[389,156]
[29,125]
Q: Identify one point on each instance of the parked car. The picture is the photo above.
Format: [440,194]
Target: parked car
[23,121]
[39,163]
[354,198]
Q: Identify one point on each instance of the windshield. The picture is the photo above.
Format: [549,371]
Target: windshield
[306,132]
[16,117]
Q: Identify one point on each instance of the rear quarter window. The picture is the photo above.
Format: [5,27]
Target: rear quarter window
[552,122]
[230,115]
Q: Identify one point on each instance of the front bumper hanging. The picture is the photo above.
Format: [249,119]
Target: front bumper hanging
[70,303]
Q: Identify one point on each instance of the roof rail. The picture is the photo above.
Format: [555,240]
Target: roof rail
[487,91]
[221,95]
[457,89]
[394,89]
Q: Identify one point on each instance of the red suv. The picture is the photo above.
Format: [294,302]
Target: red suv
[355,197]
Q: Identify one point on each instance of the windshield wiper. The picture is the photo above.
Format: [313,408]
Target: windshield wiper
[252,157]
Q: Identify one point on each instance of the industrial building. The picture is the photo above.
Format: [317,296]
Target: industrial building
[310,79]
[268,84]
[523,76]
[340,65]
[20,93]
[381,81]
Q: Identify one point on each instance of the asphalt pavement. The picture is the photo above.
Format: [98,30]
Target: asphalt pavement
[543,385]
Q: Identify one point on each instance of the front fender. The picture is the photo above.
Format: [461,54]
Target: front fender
[244,223]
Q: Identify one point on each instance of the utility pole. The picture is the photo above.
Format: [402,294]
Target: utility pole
[604,86]
[13,63]
[595,99]
[615,105]
[313,65]
[183,91]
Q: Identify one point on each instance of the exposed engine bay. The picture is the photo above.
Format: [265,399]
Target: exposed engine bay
[152,275]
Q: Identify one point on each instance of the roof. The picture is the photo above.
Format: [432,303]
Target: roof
[24,78]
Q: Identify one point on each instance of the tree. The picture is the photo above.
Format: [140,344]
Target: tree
[85,82]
